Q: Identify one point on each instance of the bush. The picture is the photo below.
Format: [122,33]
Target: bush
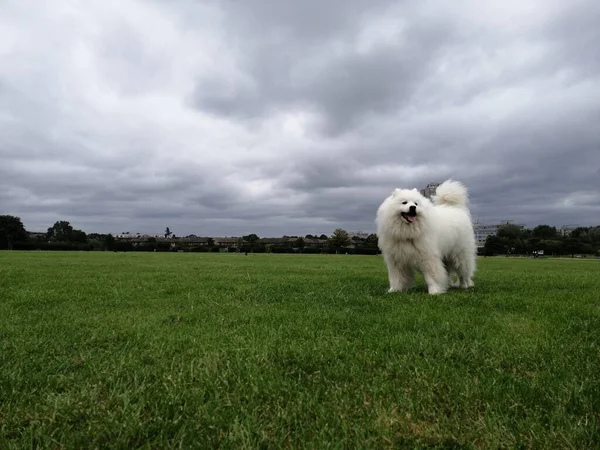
[50,246]
[200,249]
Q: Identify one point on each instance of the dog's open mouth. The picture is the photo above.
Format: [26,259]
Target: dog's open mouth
[410,217]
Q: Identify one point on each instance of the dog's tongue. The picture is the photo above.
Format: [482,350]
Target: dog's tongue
[411,218]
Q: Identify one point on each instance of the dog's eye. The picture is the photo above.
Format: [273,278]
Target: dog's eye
[404,203]
[416,204]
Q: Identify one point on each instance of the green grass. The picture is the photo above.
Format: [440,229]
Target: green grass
[114,350]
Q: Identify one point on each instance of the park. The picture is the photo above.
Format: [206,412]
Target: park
[202,350]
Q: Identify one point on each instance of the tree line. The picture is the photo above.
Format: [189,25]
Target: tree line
[510,240]
[62,236]
[514,240]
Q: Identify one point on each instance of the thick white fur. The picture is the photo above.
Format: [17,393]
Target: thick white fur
[439,243]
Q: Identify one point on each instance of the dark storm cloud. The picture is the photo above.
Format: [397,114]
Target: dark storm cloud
[308,65]
[278,118]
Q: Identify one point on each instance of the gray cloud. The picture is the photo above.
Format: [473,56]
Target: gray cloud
[227,118]
[331,60]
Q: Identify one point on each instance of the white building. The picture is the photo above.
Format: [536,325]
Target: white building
[429,191]
[359,234]
[128,235]
[566,230]
[482,231]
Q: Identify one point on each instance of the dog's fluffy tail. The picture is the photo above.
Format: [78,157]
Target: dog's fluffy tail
[451,193]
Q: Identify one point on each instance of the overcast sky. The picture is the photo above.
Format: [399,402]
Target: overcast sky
[277,117]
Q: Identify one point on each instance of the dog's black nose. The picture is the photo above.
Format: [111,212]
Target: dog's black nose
[412,209]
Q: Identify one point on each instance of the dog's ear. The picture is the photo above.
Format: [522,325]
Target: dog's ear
[395,191]
[414,189]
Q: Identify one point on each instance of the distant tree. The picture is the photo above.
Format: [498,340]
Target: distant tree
[589,237]
[552,246]
[534,243]
[151,240]
[300,244]
[110,242]
[240,243]
[510,231]
[251,238]
[96,236]
[371,242]
[545,232]
[495,245]
[210,242]
[11,230]
[167,232]
[78,236]
[593,236]
[572,245]
[522,246]
[339,239]
[61,231]
[323,237]
[372,239]
[309,236]
[579,232]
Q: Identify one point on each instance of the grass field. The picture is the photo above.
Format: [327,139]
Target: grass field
[156,350]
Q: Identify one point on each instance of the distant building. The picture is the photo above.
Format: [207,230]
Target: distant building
[358,234]
[566,230]
[136,236]
[429,191]
[482,231]
[276,240]
[228,241]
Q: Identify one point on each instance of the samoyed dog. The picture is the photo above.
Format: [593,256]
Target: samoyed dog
[435,238]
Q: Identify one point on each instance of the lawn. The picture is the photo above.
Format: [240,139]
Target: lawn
[174,350]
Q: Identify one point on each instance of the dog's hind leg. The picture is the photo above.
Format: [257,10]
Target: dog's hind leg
[466,269]
[452,272]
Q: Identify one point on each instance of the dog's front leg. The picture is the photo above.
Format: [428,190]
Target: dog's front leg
[401,278]
[435,276]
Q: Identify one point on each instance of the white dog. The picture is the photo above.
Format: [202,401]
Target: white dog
[435,238]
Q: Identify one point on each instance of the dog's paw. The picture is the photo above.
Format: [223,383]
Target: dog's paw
[396,289]
[434,290]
